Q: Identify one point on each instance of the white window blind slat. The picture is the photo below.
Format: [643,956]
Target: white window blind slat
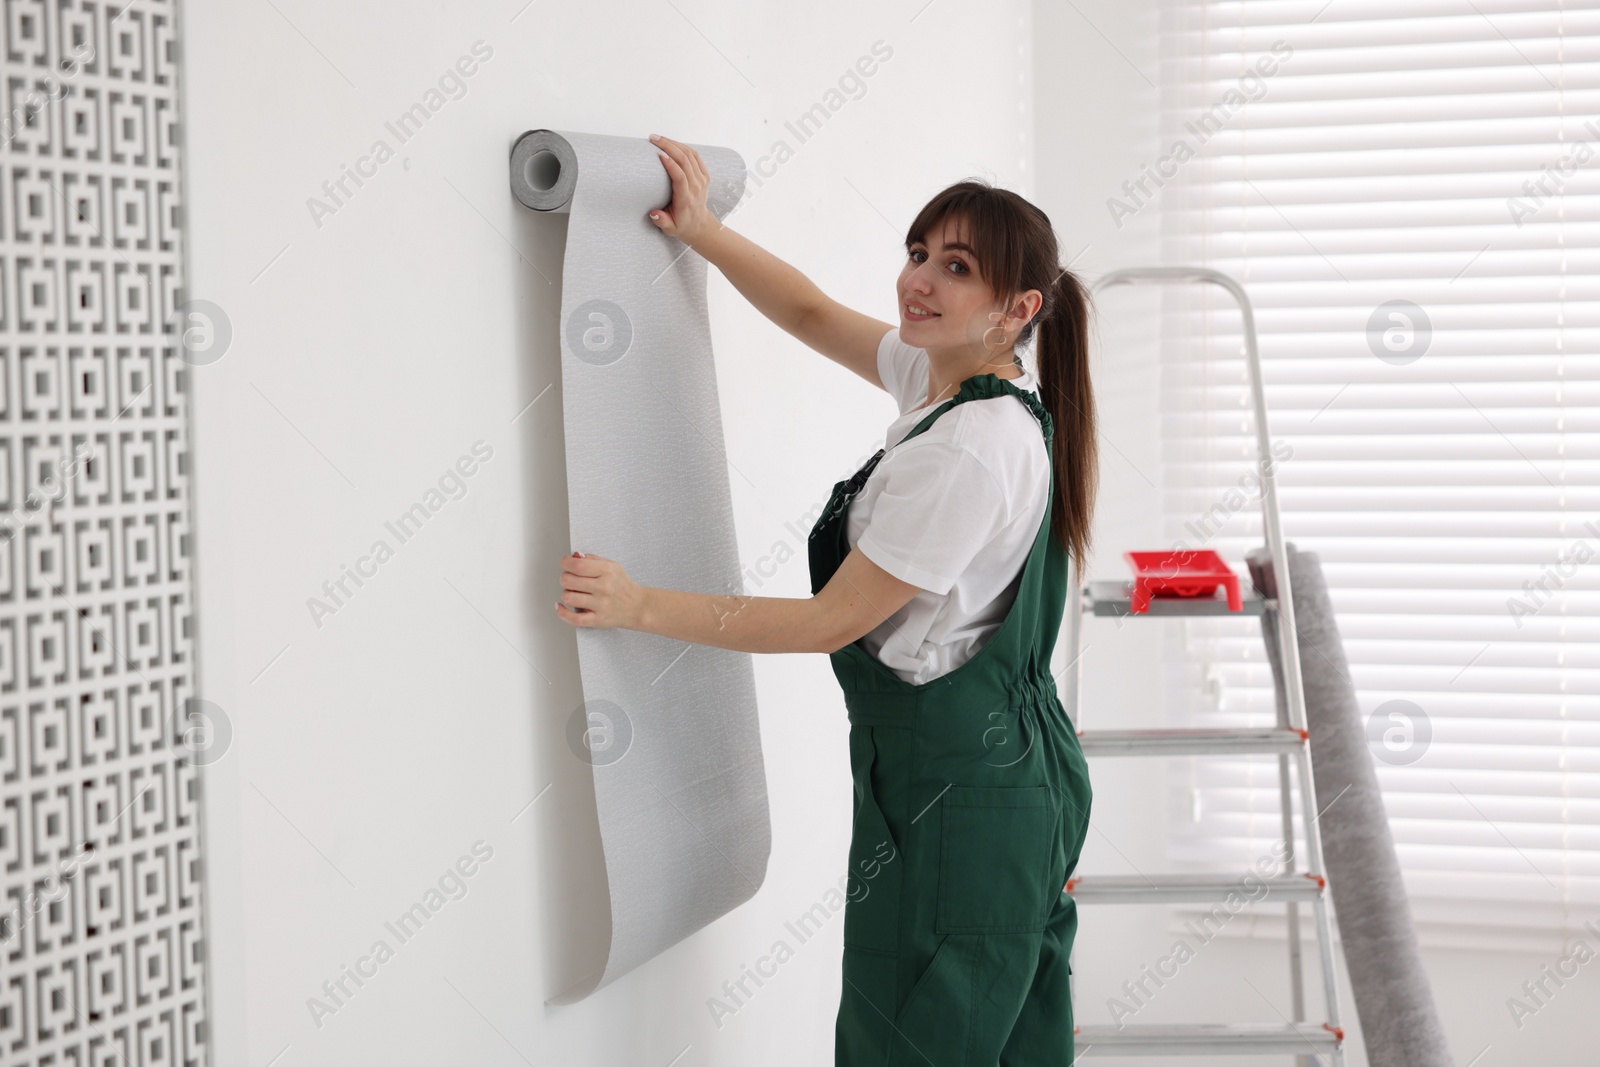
[1447,157]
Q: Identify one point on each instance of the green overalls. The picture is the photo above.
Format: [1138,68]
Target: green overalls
[971,806]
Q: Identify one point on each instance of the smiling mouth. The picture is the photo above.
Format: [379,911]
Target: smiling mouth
[920,315]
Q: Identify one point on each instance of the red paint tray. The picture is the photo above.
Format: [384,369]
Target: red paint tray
[1185,573]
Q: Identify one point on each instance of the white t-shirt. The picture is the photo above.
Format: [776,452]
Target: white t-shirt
[954,511]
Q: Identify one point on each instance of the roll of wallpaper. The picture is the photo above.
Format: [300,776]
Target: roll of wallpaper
[669,729]
[1399,1020]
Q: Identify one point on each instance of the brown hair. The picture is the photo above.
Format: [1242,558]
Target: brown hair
[1016,250]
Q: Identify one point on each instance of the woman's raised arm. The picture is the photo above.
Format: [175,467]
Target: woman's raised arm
[776,289]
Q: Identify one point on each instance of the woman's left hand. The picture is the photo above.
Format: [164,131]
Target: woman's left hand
[602,589]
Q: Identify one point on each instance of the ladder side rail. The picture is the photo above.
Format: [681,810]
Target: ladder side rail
[1297,978]
[1288,642]
[1074,651]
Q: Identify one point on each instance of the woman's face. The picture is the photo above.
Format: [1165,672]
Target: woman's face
[941,276]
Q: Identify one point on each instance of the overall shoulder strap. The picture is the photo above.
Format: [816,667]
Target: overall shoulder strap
[983,387]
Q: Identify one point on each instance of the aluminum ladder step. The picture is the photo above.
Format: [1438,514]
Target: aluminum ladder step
[1207,1039]
[1115,597]
[1212,741]
[1191,888]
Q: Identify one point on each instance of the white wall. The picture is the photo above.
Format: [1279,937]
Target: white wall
[1094,62]
[370,352]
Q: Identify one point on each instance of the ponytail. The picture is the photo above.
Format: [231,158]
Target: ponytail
[1062,355]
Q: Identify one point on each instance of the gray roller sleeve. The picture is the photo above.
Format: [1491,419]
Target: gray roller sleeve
[1394,999]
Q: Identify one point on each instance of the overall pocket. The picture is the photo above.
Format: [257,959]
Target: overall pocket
[872,883]
[995,858]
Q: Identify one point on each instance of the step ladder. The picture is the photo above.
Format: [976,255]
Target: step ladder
[1310,1043]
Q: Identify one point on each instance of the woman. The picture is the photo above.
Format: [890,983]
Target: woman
[938,577]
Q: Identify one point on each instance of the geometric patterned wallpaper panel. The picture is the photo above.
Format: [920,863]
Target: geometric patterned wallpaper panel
[100,934]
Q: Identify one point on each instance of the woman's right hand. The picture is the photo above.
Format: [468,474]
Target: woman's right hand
[687,218]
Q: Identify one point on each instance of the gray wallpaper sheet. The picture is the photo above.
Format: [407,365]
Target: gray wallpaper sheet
[671,728]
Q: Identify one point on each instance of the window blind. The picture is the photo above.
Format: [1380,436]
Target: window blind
[1411,196]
